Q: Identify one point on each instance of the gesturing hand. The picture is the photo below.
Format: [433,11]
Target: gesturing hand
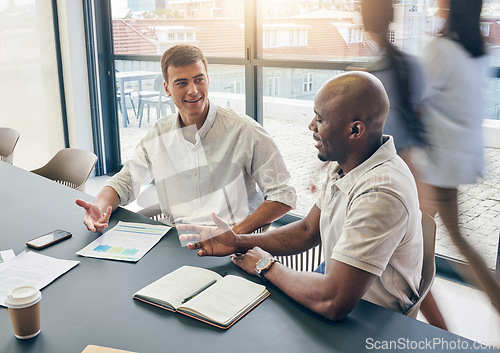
[94,219]
[211,241]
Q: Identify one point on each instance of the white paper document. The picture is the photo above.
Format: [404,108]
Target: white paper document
[31,269]
[5,256]
[126,241]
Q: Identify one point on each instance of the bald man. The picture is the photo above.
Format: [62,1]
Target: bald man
[367,216]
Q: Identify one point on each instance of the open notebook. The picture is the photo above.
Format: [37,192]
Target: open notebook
[204,295]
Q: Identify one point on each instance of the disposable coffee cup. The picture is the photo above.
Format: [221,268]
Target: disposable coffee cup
[24,310]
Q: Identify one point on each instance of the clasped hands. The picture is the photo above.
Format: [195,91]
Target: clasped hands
[221,240]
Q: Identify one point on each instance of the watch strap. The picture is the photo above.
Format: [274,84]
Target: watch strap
[262,272]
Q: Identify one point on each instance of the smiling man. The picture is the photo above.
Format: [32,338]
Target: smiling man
[205,158]
[367,216]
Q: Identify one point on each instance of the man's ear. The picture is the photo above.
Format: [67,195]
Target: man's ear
[358,128]
[165,85]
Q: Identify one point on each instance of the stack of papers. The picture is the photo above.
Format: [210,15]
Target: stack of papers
[126,241]
[29,269]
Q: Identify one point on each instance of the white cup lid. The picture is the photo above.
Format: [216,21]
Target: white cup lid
[21,297]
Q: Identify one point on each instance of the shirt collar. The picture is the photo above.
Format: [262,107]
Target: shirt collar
[209,121]
[384,153]
[207,125]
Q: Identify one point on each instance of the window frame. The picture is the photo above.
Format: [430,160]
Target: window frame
[308,82]
[253,62]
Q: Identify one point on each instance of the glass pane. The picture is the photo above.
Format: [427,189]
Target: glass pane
[490,27]
[227,83]
[313,30]
[333,30]
[288,110]
[135,83]
[149,27]
[227,86]
[286,117]
[29,86]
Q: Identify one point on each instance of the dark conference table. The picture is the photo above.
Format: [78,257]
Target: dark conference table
[92,303]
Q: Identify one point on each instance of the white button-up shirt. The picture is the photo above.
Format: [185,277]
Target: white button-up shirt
[230,169]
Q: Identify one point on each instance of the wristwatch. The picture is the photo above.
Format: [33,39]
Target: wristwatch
[263,265]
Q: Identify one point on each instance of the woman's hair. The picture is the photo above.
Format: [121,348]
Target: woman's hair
[377,16]
[463,25]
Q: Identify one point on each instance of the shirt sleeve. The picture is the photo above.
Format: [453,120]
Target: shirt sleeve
[268,169]
[135,173]
[376,223]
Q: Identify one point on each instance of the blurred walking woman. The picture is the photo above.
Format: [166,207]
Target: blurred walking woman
[455,65]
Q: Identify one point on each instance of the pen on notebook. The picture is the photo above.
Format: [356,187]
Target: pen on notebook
[199,291]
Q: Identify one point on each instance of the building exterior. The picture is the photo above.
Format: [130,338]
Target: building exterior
[302,30]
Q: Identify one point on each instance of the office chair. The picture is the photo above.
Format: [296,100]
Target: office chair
[70,167]
[159,100]
[428,265]
[153,212]
[308,260]
[127,93]
[8,141]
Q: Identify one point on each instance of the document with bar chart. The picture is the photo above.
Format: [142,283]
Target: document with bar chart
[125,242]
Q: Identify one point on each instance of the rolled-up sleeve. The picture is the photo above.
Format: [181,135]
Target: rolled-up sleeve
[269,171]
[135,173]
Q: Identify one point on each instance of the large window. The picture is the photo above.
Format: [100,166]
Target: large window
[269,58]
[30,98]
[218,31]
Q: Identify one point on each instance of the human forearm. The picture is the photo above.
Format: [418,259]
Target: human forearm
[323,294]
[266,213]
[221,240]
[309,290]
[289,239]
[97,214]
[306,288]
[333,295]
[107,197]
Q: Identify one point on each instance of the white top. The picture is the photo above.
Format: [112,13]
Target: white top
[370,219]
[233,166]
[396,123]
[454,109]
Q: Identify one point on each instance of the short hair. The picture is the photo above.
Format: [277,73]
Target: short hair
[181,55]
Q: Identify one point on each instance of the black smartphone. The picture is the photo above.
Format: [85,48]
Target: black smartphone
[48,239]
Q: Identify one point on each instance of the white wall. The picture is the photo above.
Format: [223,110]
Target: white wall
[491,133]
